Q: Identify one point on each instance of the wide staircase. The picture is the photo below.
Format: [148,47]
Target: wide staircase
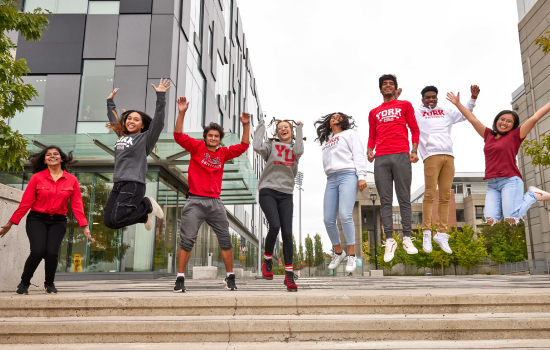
[321,314]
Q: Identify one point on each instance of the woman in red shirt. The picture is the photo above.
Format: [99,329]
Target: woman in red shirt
[46,196]
[505,196]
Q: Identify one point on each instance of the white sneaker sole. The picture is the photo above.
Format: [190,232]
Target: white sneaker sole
[446,250]
[351,270]
[340,261]
[157,210]
[149,223]
[389,256]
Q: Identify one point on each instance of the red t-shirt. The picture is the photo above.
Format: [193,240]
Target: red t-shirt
[47,196]
[388,127]
[500,154]
[206,168]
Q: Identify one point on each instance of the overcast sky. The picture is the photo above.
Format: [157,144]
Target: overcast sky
[315,57]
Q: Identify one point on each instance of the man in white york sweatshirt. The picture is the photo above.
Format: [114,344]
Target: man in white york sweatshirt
[436,149]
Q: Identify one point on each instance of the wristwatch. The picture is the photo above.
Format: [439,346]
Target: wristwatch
[413,151]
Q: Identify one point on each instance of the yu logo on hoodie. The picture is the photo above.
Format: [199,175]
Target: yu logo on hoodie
[288,160]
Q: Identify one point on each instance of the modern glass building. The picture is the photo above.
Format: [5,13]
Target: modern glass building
[94,46]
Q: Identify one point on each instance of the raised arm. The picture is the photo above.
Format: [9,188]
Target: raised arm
[455,99]
[157,124]
[111,109]
[259,146]
[526,128]
[245,119]
[183,105]
[299,144]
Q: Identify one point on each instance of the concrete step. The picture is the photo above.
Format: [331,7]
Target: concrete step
[274,328]
[231,303]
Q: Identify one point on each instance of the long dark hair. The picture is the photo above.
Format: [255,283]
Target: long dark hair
[37,159]
[495,131]
[275,132]
[324,131]
[120,125]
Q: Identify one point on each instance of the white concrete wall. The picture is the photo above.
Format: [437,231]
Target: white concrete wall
[524,6]
[14,247]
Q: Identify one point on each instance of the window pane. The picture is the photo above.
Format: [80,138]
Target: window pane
[72,6]
[38,82]
[29,121]
[97,84]
[91,127]
[50,5]
[104,7]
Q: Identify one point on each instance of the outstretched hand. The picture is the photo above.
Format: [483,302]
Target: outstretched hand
[245,118]
[164,85]
[87,233]
[474,89]
[5,229]
[398,93]
[183,104]
[112,95]
[454,99]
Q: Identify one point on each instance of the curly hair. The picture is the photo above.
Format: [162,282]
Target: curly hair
[213,126]
[324,131]
[428,89]
[275,131]
[38,159]
[119,127]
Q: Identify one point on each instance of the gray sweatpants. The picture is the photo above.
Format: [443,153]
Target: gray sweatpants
[390,169]
[198,210]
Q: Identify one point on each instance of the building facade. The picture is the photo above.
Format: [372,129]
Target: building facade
[526,100]
[94,46]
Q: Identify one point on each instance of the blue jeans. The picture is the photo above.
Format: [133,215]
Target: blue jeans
[340,195]
[505,198]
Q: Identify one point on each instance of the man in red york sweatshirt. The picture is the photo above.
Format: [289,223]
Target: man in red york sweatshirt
[389,136]
[205,185]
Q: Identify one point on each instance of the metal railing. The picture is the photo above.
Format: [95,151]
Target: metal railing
[535,267]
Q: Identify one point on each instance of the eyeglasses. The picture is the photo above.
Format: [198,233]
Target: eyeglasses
[506,121]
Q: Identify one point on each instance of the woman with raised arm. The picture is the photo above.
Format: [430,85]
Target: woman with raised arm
[281,155]
[137,135]
[505,197]
[46,196]
[345,164]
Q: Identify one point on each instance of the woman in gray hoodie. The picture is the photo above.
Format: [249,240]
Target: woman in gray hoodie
[276,187]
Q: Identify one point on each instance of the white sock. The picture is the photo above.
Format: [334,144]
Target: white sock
[181,274]
[229,273]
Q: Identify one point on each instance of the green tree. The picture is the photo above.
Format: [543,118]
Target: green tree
[422,259]
[318,249]
[543,41]
[309,250]
[14,93]
[538,151]
[505,242]
[467,248]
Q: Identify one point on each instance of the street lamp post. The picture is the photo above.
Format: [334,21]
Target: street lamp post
[373,198]
[299,182]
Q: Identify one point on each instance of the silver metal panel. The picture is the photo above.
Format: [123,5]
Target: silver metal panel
[212,108]
[186,19]
[101,36]
[182,66]
[133,40]
[163,53]
[168,7]
[171,106]
[136,6]
[61,104]
[13,35]
[132,82]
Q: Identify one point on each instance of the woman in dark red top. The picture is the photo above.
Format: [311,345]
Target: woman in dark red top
[505,196]
[46,196]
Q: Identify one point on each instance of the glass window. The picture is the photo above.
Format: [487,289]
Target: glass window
[15,180]
[196,17]
[29,121]
[460,215]
[38,82]
[91,128]
[103,7]
[50,5]
[194,90]
[97,84]
[222,82]
[72,6]
[167,228]
[479,211]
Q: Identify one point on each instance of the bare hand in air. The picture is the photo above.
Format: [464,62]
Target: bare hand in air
[112,95]
[164,85]
[183,105]
[245,118]
[474,89]
[454,99]
[398,93]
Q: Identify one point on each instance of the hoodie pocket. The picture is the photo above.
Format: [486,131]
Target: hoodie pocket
[439,142]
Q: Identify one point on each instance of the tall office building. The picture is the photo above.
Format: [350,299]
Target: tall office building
[94,46]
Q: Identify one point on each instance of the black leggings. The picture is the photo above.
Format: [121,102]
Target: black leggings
[277,207]
[45,234]
[126,205]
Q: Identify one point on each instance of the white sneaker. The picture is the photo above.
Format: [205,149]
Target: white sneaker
[427,241]
[157,210]
[352,263]
[409,246]
[336,260]
[149,223]
[390,245]
[443,240]
[541,195]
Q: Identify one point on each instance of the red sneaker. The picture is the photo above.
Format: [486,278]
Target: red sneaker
[289,282]
[267,269]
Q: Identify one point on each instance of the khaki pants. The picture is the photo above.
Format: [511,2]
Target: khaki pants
[438,170]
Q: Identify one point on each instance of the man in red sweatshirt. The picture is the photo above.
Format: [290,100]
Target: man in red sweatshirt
[388,134]
[205,185]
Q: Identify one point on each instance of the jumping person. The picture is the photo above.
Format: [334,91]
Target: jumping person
[138,133]
[281,155]
[345,164]
[436,149]
[505,197]
[205,185]
[46,196]
[389,135]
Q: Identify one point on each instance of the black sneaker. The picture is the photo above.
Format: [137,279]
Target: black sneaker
[22,289]
[50,288]
[180,285]
[230,282]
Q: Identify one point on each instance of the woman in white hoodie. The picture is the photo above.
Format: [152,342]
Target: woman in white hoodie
[345,164]
[436,149]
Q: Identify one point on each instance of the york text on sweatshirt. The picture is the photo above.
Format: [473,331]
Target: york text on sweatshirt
[388,133]
[206,168]
[344,151]
[435,126]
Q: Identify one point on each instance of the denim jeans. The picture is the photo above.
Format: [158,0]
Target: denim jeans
[340,195]
[505,198]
